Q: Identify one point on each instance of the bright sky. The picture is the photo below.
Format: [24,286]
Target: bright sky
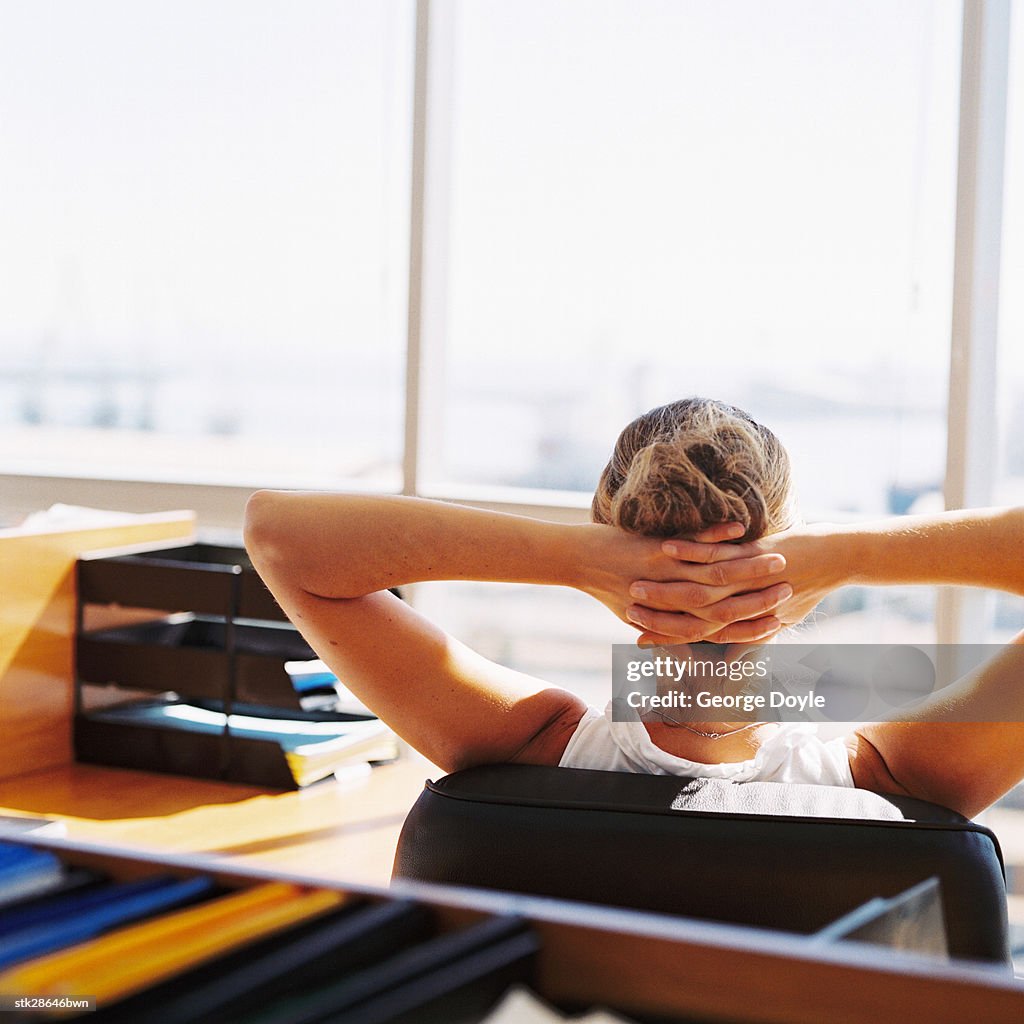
[775,177]
[223,173]
[665,172]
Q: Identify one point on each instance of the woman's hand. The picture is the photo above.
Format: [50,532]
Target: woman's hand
[682,591]
[814,566]
[818,561]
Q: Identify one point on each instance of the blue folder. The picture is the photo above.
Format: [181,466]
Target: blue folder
[84,916]
[46,909]
[24,871]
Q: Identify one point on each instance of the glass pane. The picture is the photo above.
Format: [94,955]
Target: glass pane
[749,201]
[203,221]
[753,202]
[1008,610]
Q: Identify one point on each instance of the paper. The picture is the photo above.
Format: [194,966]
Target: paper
[521,1006]
[74,517]
[29,824]
[314,675]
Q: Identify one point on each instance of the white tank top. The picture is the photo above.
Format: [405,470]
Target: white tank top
[790,752]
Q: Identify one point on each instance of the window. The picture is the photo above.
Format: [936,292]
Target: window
[203,238]
[752,202]
[650,200]
[204,255]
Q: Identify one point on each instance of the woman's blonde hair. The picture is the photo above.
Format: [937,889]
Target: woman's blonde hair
[688,465]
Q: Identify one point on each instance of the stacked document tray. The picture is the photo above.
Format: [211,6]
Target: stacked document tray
[241,694]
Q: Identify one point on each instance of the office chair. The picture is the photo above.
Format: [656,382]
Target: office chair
[790,857]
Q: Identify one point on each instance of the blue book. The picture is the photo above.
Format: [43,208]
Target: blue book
[310,676]
[25,872]
[132,901]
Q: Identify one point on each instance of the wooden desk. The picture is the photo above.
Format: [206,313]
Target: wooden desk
[333,831]
[344,835]
[37,625]
[672,968]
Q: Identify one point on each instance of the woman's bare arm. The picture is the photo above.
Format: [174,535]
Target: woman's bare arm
[328,559]
[962,747]
[969,547]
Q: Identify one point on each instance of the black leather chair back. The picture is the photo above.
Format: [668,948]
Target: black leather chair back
[791,857]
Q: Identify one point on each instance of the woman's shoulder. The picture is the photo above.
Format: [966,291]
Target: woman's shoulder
[549,743]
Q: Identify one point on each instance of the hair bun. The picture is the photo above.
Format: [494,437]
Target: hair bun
[677,487]
[685,466]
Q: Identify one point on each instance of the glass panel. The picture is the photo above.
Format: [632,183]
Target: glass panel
[753,202]
[203,222]
[749,201]
[1008,611]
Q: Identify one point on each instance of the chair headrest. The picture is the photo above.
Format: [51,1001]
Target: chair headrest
[586,789]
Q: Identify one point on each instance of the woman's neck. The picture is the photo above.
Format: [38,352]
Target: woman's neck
[705,742]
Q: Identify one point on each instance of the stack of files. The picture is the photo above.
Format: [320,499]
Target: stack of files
[129,959]
[171,950]
[311,954]
[312,750]
[55,922]
[362,964]
[455,976]
[376,964]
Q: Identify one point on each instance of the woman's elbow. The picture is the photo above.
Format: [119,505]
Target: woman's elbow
[265,530]
[293,541]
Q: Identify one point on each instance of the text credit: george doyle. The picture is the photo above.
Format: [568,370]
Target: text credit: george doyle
[787,682]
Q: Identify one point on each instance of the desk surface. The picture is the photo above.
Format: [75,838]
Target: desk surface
[346,832]
[339,831]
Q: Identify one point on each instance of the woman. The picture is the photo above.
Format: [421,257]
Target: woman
[693,538]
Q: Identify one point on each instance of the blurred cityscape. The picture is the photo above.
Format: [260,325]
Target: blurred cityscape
[863,441]
[863,444]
